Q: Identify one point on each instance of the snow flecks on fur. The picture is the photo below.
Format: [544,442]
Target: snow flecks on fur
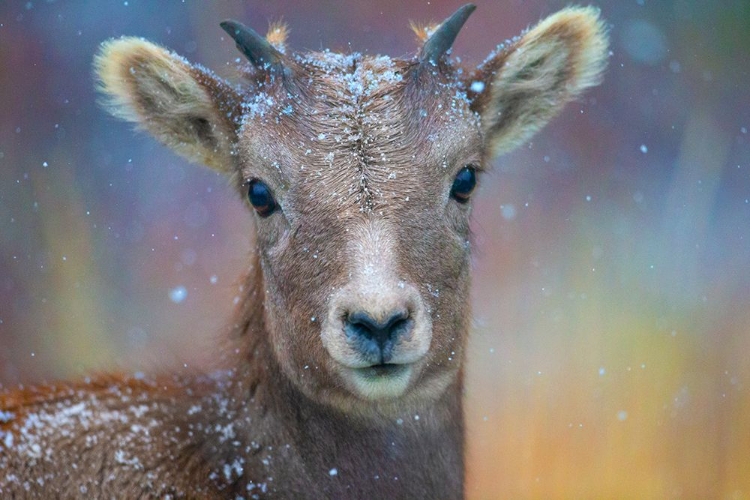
[120,427]
[258,105]
[357,80]
[50,438]
[359,120]
[334,136]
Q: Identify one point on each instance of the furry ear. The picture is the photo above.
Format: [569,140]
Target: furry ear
[185,107]
[517,91]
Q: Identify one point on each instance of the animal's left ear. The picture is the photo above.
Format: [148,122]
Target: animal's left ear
[520,89]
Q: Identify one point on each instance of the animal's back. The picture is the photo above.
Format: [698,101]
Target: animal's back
[110,438]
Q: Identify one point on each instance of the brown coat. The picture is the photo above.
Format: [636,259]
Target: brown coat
[344,370]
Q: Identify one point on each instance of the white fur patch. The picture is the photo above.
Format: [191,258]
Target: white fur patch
[376,288]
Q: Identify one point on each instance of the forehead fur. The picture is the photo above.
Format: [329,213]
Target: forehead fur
[359,122]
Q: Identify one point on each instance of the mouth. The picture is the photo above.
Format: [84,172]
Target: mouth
[381,381]
[383,370]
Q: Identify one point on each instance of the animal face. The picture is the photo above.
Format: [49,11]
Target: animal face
[359,172]
[366,220]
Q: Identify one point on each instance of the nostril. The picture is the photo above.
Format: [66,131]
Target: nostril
[363,321]
[360,324]
[396,320]
[401,328]
[356,328]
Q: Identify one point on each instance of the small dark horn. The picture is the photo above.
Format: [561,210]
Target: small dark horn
[440,41]
[256,48]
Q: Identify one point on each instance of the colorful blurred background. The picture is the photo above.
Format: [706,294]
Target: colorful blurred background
[611,349]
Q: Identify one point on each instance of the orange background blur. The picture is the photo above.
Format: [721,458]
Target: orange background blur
[611,349]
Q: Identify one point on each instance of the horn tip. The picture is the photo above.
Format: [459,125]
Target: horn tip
[442,39]
[465,11]
[230,26]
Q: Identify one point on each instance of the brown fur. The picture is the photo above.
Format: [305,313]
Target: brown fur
[278,32]
[360,154]
[422,30]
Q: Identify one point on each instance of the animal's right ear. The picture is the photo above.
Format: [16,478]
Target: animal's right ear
[185,107]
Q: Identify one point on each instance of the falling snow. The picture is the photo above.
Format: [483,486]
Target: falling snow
[178,294]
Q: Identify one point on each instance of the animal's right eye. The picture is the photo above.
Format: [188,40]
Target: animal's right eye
[464,184]
[261,198]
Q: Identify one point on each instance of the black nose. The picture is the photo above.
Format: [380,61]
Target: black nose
[373,339]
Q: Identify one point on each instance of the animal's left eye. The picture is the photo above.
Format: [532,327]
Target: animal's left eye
[464,184]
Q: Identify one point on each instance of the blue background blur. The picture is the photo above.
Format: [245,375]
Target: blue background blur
[611,349]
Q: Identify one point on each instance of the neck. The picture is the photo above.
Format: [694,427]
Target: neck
[417,452]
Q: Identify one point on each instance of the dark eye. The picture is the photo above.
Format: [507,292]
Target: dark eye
[464,184]
[261,198]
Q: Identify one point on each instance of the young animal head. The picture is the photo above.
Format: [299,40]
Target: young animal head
[359,173]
